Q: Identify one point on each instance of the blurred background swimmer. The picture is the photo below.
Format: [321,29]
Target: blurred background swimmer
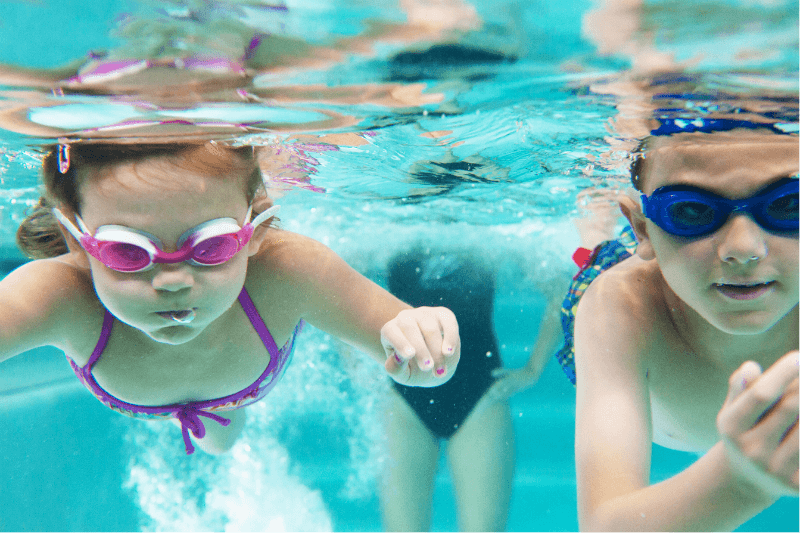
[470,413]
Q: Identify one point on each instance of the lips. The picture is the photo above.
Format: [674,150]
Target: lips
[744,291]
[181,316]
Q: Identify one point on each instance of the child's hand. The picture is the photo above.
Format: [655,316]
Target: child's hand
[422,346]
[758,424]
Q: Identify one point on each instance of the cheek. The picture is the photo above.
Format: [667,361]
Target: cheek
[111,288]
[686,267]
[227,274]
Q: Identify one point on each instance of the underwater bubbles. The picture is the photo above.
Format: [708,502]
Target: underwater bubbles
[315,439]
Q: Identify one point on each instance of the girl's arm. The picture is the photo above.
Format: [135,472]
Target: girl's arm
[413,344]
[38,305]
[614,435]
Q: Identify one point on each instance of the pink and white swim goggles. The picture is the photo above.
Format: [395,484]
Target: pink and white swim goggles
[130,250]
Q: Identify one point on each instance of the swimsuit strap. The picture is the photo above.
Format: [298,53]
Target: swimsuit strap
[102,341]
[258,324]
[189,417]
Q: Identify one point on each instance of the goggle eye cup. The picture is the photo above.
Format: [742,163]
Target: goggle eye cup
[783,209]
[125,257]
[691,213]
[215,250]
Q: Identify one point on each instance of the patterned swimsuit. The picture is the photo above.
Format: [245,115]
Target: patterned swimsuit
[604,256]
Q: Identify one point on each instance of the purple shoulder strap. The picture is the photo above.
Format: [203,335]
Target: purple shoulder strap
[102,341]
[258,324]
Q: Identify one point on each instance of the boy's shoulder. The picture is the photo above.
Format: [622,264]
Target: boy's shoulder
[626,302]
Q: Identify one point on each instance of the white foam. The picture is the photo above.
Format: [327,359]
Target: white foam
[271,479]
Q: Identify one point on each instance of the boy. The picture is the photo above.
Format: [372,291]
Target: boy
[669,344]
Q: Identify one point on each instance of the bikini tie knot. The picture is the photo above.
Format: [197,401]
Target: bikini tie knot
[189,417]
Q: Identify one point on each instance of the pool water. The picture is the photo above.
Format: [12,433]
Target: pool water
[483,145]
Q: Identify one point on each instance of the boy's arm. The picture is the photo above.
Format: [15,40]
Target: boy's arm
[614,432]
[36,301]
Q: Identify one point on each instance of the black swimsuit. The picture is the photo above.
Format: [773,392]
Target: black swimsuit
[468,291]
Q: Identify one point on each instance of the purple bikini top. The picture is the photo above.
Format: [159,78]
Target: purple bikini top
[189,413]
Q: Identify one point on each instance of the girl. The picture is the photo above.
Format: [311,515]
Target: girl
[171,301]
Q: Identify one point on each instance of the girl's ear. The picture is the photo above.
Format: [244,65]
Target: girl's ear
[633,212]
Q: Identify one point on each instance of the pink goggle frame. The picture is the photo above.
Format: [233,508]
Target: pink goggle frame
[129,250]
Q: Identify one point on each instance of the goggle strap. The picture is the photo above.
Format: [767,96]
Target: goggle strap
[69,225]
[266,215]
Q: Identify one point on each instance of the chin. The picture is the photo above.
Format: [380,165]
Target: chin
[174,335]
[746,323]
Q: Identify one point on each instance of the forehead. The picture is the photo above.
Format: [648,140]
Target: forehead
[194,170]
[734,162]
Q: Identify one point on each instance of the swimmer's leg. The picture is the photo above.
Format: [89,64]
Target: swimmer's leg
[407,488]
[219,439]
[482,456]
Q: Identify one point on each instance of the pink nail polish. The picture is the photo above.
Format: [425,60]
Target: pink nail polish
[440,371]
[397,358]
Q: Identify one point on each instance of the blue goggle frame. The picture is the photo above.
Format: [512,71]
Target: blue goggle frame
[688,211]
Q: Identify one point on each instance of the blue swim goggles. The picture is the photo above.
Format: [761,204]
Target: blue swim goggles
[687,211]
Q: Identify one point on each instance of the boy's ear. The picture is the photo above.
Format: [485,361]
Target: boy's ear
[633,212]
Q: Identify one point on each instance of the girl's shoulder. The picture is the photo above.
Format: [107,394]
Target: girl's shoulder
[58,279]
[288,268]
[56,296]
[284,253]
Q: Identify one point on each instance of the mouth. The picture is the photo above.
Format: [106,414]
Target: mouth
[744,291]
[181,316]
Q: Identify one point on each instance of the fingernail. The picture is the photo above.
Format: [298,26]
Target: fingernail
[427,364]
[448,350]
[397,358]
[440,371]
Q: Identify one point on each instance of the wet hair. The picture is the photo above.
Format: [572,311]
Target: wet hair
[638,164]
[39,235]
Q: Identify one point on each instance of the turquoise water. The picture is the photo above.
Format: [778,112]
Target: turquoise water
[501,135]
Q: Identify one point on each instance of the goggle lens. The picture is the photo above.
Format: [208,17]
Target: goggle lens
[691,214]
[783,208]
[125,257]
[215,250]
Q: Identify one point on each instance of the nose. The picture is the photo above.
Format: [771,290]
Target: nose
[172,277]
[742,240]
